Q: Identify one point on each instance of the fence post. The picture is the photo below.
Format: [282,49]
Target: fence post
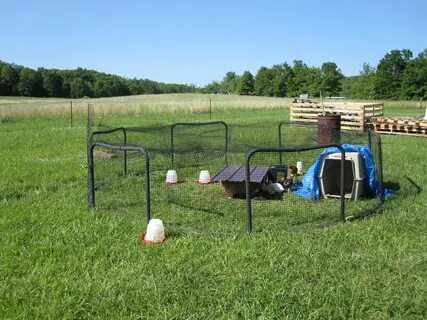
[71,113]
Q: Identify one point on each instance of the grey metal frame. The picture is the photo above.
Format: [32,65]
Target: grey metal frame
[91,170]
[251,153]
[194,124]
[296,124]
[102,132]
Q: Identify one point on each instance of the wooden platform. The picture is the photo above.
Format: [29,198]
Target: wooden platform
[354,116]
[400,126]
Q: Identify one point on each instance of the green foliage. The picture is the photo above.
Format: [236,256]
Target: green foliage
[396,76]
[18,80]
[30,83]
[229,83]
[110,86]
[264,82]
[246,84]
[389,74]
[213,87]
[331,79]
[283,80]
[52,82]
[414,79]
[9,78]
[306,79]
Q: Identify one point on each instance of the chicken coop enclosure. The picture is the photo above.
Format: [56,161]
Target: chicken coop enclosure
[262,176]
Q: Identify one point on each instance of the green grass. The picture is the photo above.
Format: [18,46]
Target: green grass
[60,260]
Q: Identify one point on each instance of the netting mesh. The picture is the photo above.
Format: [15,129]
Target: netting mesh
[220,207]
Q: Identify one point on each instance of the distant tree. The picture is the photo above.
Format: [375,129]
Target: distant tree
[52,82]
[264,82]
[364,85]
[305,79]
[213,87]
[79,88]
[283,80]
[347,85]
[414,78]
[109,86]
[389,75]
[229,83]
[30,83]
[331,79]
[246,84]
[9,79]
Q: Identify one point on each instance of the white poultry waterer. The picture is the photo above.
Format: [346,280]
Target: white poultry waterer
[155,232]
[171,177]
[204,177]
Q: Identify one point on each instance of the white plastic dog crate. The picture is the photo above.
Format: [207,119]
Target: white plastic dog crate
[354,173]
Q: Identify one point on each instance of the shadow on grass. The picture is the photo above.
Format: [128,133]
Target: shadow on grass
[417,188]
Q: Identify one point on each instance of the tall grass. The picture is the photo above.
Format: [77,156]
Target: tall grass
[21,107]
[25,107]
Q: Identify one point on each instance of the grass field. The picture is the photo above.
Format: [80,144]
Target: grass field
[60,260]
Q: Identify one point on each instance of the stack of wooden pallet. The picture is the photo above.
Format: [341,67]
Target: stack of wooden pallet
[402,126]
[354,116]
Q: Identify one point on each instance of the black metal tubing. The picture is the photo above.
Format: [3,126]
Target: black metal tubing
[251,153]
[297,124]
[172,128]
[102,132]
[370,139]
[380,168]
[91,179]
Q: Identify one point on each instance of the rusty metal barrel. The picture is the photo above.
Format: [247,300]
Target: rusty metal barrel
[329,127]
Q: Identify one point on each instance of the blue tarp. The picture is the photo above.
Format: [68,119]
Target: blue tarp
[309,187]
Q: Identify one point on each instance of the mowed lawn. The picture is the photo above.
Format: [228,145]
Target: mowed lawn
[60,260]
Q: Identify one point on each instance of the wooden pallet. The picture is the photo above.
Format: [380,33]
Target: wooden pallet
[354,116]
[400,126]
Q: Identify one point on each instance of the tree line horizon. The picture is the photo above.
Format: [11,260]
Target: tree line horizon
[398,75]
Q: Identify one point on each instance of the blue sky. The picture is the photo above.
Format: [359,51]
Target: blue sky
[199,41]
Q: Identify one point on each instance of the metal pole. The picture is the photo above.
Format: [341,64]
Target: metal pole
[210,108]
[300,149]
[91,179]
[147,187]
[171,146]
[248,196]
[380,168]
[226,143]
[280,142]
[125,152]
[91,175]
[342,181]
[71,114]
[370,139]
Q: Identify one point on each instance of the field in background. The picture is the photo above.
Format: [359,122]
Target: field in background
[60,260]
[18,107]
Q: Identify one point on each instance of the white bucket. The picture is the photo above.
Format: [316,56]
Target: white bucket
[171,177]
[204,177]
[155,231]
[299,167]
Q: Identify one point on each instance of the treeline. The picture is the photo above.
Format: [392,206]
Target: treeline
[17,80]
[397,76]
[282,81]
